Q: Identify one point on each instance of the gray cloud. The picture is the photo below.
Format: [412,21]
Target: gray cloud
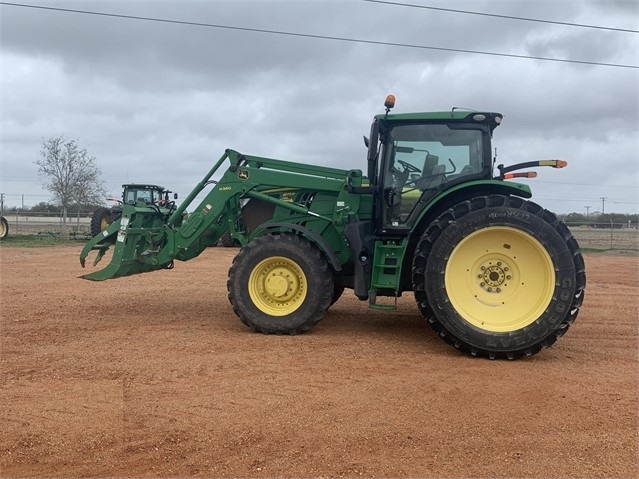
[159,102]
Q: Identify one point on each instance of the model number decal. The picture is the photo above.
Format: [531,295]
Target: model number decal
[509,214]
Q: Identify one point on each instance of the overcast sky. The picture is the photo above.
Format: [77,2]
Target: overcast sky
[158,102]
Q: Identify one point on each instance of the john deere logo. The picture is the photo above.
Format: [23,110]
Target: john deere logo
[243,174]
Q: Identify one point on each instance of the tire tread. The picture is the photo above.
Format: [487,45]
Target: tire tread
[448,219]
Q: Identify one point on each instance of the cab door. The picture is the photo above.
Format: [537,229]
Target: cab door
[420,160]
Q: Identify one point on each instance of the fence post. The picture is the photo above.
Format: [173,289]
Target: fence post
[610,234]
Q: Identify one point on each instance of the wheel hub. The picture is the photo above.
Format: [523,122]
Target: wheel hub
[493,276]
[280,285]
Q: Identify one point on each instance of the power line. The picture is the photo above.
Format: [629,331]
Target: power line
[508,17]
[318,37]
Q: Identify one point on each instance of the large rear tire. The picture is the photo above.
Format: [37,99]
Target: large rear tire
[100,220]
[4,228]
[280,284]
[499,276]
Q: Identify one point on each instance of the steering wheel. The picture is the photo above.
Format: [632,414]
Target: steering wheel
[408,167]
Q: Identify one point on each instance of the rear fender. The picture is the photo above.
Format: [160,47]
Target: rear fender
[450,197]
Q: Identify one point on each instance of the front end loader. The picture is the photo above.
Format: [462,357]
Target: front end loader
[495,274]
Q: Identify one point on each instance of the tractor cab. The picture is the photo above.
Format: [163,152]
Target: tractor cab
[151,194]
[414,157]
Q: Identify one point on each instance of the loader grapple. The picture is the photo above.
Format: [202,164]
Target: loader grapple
[138,238]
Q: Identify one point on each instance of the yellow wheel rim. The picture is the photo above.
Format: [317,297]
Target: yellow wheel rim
[277,286]
[500,279]
[104,224]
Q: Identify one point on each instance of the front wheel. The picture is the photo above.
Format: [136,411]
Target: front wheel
[280,284]
[338,289]
[499,276]
[100,220]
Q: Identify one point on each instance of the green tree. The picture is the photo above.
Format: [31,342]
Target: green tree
[70,173]
[615,220]
[43,207]
[576,219]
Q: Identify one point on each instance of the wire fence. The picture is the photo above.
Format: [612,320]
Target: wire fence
[27,223]
[622,237]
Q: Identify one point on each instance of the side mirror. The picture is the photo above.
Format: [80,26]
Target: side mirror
[404,149]
[365,141]
[175,196]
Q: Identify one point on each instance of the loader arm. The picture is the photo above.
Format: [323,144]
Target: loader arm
[148,240]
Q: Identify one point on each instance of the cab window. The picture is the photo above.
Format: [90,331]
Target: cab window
[419,158]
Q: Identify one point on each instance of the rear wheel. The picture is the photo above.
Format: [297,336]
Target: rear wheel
[100,220]
[499,276]
[280,284]
[4,228]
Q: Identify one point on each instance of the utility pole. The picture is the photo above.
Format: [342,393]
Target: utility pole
[603,204]
[587,209]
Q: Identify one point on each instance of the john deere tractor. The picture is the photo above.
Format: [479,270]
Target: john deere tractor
[493,273]
[132,193]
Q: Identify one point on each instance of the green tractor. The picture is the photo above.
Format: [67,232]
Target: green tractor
[131,193]
[494,274]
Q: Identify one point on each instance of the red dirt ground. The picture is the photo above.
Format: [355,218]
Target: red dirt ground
[153,376]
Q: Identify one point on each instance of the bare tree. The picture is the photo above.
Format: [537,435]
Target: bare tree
[70,173]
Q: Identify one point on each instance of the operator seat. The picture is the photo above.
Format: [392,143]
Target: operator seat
[432,173]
